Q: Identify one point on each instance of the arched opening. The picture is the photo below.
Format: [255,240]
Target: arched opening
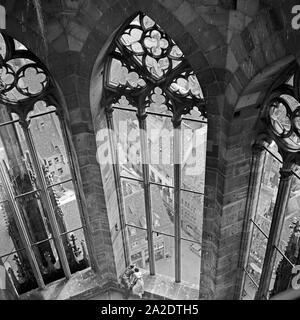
[273,250]
[150,122]
[42,229]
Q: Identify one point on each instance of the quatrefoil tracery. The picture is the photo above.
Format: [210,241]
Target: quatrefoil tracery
[283,117]
[148,60]
[23,78]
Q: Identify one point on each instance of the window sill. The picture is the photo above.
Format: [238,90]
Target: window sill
[83,283]
[86,285]
[165,288]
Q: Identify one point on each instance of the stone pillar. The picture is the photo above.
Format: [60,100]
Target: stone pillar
[286,174]
[141,115]
[177,196]
[116,172]
[257,166]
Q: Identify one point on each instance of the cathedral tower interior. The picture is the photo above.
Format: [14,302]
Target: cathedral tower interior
[162,133]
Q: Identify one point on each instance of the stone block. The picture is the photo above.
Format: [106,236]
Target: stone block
[60,44]
[110,21]
[248,7]
[213,15]
[231,95]
[187,44]
[198,61]
[231,230]
[216,88]
[227,4]
[249,68]
[276,19]
[74,43]
[229,218]
[236,20]
[247,40]
[77,30]
[196,27]
[206,3]
[232,247]
[230,240]
[53,30]
[231,63]
[258,57]
[225,293]
[279,46]
[210,39]
[90,14]
[238,48]
[235,196]
[217,57]
[227,33]
[185,13]
[206,76]
[242,167]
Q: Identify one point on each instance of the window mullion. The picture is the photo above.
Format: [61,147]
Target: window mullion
[22,230]
[116,170]
[258,161]
[142,115]
[177,198]
[50,186]
[286,174]
[47,201]
[250,277]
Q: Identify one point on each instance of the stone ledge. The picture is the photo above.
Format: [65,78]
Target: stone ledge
[83,284]
[86,285]
[165,288]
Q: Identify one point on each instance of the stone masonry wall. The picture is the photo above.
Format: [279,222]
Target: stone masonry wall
[229,44]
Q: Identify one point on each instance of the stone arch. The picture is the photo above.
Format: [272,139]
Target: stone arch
[192,26]
[212,78]
[99,116]
[72,70]
[203,31]
[92,236]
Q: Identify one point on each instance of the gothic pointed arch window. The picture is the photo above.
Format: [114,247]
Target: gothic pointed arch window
[42,236]
[155,111]
[273,251]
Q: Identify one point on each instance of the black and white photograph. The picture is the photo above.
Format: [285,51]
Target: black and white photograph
[149,154]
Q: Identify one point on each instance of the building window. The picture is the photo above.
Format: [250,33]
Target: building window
[41,232]
[152,94]
[274,250]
